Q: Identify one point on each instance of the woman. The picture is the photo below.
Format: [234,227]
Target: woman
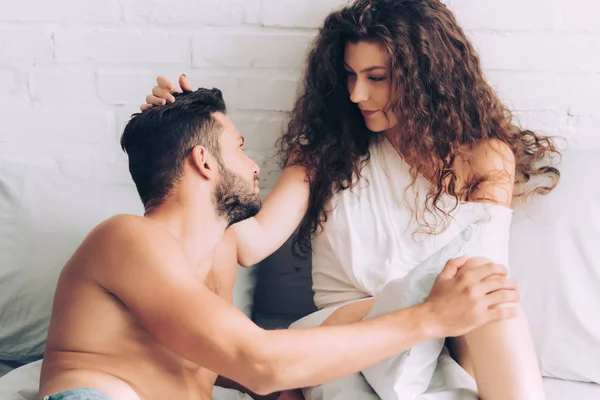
[395,112]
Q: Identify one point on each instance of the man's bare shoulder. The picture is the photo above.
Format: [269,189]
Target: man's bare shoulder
[122,231]
[126,241]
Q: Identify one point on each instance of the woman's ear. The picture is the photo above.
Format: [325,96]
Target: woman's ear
[204,162]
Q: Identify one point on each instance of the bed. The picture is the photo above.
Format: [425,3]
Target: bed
[44,215]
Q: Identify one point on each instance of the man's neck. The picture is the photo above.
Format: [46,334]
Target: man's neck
[196,226]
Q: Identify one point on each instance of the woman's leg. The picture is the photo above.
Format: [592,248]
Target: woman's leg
[350,313]
[499,355]
[501,358]
[458,351]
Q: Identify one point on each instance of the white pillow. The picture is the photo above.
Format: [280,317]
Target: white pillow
[44,216]
[554,256]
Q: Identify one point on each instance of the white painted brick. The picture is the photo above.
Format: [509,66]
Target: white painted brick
[550,123]
[48,163]
[572,93]
[13,90]
[7,83]
[125,87]
[276,94]
[579,16]
[260,133]
[222,81]
[103,170]
[56,128]
[122,46]
[25,46]
[98,11]
[579,132]
[123,116]
[131,88]
[584,94]
[191,12]
[63,88]
[259,50]
[269,170]
[39,150]
[584,132]
[542,55]
[252,15]
[297,14]
[539,51]
[531,91]
[506,14]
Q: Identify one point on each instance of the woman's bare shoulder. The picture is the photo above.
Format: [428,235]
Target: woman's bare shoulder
[489,169]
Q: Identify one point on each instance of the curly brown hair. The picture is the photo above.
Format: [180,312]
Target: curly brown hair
[444,102]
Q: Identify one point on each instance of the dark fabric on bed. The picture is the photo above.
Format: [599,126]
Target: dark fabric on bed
[283,292]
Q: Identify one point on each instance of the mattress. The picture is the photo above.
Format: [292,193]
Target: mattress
[22,384]
[557,389]
[7,366]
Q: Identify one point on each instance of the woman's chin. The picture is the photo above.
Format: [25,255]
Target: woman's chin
[378,127]
[375,127]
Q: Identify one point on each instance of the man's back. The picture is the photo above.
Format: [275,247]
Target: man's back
[95,341]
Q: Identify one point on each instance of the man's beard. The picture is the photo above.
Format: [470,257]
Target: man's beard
[234,199]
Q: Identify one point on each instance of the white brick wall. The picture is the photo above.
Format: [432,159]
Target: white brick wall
[71,72]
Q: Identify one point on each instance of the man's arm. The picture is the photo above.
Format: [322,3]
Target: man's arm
[150,274]
[225,268]
[229,384]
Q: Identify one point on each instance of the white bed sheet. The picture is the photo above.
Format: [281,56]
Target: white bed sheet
[22,384]
[557,389]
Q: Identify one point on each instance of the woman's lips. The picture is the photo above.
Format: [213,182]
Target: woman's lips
[368,113]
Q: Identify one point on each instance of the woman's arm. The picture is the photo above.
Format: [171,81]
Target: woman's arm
[282,211]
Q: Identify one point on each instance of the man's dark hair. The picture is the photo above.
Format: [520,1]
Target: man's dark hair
[158,141]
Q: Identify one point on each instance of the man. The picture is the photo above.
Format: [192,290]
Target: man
[143,308]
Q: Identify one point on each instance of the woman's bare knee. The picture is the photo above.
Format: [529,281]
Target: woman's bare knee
[460,353]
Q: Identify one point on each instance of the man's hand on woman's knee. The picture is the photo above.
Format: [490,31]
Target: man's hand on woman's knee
[470,293]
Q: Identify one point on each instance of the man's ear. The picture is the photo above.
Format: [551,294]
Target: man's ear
[204,162]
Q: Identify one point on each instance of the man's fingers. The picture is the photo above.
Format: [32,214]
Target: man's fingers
[165,83]
[479,273]
[145,107]
[502,296]
[495,283]
[161,93]
[452,267]
[184,83]
[502,313]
